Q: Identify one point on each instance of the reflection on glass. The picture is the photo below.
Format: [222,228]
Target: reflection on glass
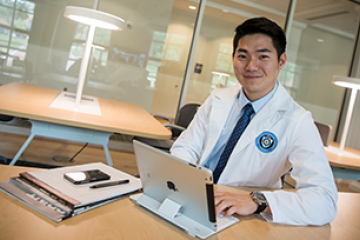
[16,20]
[23,20]
[19,40]
[99,52]
[102,36]
[76,50]
[173,53]
[4,36]
[174,46]
[9,3]
[5,16]
[289,76]
[157,50]
[152,67]
[25,6]
[224,58]
[81,31]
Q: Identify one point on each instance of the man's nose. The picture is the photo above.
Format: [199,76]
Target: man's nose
[251,65]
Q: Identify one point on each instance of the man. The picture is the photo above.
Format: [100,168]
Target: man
[279,135]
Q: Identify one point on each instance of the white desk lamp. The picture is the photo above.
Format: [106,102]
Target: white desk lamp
[93,18]
[354,84]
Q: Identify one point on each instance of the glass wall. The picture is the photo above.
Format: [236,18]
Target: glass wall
[320,45]
[145,63]
[170,61]
[40,46]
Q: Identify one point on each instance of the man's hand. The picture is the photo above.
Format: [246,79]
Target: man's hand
[231,203]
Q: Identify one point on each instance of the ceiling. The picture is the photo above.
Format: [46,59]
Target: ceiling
[337,16]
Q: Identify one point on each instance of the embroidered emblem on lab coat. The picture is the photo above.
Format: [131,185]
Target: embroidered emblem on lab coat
[266,142]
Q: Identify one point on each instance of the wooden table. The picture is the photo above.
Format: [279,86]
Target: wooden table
[32,102]
[344,166]
[125,220]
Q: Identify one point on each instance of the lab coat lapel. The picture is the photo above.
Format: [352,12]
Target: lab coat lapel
[221,107]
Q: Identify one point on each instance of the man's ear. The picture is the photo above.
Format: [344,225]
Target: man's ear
[282,60]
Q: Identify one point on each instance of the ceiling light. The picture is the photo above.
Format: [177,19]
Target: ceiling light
[192,7]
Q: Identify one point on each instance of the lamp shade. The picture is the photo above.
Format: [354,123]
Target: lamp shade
[94,17]
[348,82]
[354,84]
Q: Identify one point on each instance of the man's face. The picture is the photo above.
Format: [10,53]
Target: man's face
[256,65]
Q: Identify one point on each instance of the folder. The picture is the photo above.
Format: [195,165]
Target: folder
[50,194]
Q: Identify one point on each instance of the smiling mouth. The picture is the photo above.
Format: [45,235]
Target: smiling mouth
[252,76]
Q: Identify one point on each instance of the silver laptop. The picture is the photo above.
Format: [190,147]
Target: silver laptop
[178,191]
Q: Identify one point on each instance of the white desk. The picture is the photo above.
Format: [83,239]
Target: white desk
[344,166]
[32,102]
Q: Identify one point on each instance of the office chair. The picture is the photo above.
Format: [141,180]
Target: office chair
[182,121]
[325,132]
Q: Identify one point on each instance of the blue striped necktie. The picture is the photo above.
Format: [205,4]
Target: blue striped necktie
[234,138]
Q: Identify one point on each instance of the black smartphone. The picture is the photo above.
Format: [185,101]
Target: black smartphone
[86,176]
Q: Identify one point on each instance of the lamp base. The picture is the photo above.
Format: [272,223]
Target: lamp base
[66,101]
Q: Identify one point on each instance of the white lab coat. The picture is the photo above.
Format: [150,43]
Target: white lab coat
[299,146]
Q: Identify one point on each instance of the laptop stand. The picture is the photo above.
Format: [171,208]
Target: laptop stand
[171,212]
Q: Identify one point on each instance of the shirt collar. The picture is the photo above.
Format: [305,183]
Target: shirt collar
[260,103]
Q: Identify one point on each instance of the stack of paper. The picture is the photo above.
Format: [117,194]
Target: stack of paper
[48,192]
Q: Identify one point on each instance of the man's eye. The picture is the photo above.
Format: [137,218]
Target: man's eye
[264,56]
[241,56]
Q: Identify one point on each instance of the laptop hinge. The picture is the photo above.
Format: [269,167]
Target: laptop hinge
[169,208]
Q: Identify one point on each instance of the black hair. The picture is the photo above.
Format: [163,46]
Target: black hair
[265,26]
